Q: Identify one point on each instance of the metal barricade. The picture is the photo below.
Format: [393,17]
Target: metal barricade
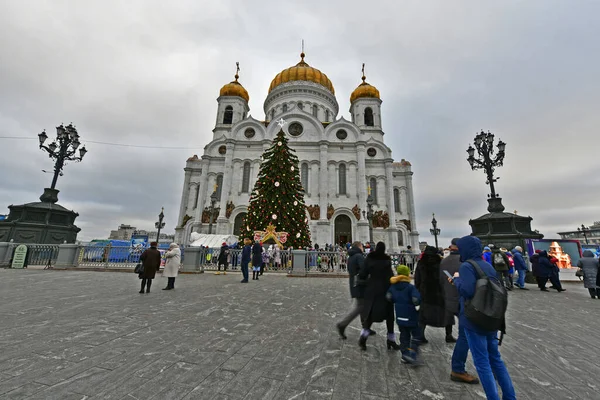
[109,256]
[318,261]
[41,255]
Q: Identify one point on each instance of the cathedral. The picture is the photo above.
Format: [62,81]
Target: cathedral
[343,164]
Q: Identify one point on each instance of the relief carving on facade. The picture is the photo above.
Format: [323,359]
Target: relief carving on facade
[229,209]
[314,211]
[381,219]
[330,211]
[186,218]
[406,223]
[206,214]
[356,211]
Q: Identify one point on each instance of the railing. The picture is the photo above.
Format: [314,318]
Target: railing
[108,256]
[42,254]
[335,262]
[209,260]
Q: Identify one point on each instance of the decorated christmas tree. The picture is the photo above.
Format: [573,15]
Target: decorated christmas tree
[278,197]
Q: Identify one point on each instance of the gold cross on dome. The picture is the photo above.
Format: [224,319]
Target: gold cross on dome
[515,212]
[281,122]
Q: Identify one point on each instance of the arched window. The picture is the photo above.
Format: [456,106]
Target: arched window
[197,195]
[272,114]
[219,186]
[304,176]
[342,179]
[369,116]
[301,106]
[373,186]
[228,115]
[326,115]
[397,201]
[246,178]
[315,110]
[400,238]
[284,108]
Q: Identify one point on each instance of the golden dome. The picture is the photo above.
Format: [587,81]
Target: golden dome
[235,88]
[364,89]
[302,72]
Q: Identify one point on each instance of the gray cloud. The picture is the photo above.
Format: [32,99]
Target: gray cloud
[144,72]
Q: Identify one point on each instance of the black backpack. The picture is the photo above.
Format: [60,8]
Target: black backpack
[487,308]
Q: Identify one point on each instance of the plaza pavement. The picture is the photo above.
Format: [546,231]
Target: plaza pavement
[90,335]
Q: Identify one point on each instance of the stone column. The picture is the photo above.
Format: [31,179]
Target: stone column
[298,263]
[389,178]
[361,184]
[410,209]
[226,181]
[184,194]
[323,184]
[191,261]
[201,196]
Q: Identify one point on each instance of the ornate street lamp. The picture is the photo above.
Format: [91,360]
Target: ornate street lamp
[484,145]
[62,149]
[213,199]
[159,224]
[435,231]
[585,230]
[369,214]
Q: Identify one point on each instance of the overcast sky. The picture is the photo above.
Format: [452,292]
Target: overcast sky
[148,72]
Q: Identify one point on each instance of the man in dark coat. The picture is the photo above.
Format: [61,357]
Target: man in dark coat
[547,273]
[535,267]
[452,303]
[427,281]
[246,255]
[257,251]
[356,262]
[150,259]
[222,260]
[377,273]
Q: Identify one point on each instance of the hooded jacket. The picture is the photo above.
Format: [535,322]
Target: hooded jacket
[470,249]
[546,268]
[519,260]
[405,298]
[356,262]
[589,264]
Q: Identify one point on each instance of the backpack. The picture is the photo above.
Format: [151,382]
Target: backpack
[499,260]
[487,308]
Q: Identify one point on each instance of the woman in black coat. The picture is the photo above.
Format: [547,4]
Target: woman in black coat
[427,281]
[376,276]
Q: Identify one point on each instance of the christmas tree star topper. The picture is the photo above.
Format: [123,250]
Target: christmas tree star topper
[281,122]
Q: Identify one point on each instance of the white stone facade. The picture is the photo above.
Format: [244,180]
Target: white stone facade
[339,160]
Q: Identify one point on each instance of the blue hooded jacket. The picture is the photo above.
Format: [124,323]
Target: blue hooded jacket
[519,261]
[405,298]
[470,249]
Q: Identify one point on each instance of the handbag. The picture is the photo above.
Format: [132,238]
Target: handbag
[579,273]
[139,268]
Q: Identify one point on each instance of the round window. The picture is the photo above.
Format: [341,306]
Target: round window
[295,129]
[222,150]
[372,152]
[341,134]
[249,133]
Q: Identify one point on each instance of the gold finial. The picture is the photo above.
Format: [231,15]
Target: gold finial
[515,212]
[237,70]
[364,78]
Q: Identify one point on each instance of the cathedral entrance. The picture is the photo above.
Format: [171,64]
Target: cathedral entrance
[343,230]
[237,224]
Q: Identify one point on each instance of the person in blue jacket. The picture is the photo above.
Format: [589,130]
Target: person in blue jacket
[483,344]
[246,254]
[406,299]
[520,266]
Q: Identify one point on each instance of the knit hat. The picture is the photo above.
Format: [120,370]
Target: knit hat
[403,270]
[487,248]
[224,244]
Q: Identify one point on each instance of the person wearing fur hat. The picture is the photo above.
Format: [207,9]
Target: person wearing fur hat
[406,300]
[173,256]
[222,260]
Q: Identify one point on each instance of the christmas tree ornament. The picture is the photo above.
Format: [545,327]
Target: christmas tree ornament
[274,216]
[277,184]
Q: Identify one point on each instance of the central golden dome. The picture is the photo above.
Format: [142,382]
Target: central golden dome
[302,72]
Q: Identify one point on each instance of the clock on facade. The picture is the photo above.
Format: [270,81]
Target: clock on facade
[222,150]
[341,134]
[371,152]
[295,129]
[249,133]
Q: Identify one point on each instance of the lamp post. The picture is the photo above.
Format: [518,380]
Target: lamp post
[435,231]
[159,224]
[584,229]
[62,149]
[213,199]
[369,214]
[484,144]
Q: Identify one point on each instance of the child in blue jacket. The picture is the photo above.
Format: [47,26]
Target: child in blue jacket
[406,299]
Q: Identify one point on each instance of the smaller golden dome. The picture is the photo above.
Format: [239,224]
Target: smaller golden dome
[235,88]
[364,89]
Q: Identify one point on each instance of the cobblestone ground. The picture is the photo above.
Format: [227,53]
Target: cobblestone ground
[78,335]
